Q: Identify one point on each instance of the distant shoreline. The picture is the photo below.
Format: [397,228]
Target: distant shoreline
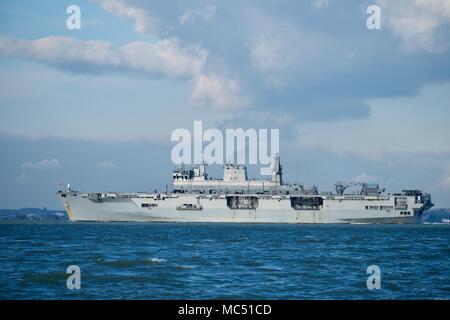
[33,214]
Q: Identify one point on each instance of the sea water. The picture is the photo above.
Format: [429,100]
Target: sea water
[223,261]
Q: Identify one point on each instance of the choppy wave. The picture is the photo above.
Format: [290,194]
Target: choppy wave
[156,260]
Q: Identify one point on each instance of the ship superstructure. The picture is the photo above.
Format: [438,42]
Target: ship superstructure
[235,180]
[195,197]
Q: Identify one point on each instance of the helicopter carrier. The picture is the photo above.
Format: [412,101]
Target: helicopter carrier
[194,197]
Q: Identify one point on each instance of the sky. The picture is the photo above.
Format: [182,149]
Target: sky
[95,107]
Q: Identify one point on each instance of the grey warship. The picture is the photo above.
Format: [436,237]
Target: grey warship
[194,197]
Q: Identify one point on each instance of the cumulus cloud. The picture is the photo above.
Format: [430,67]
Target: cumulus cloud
[142,20]
[42,164]
[163,57]
[418,24]
[106,165]
[217,92]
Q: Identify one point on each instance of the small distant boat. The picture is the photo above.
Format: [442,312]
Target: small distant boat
[445,220]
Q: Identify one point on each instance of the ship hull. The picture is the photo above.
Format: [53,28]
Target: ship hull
[215,210]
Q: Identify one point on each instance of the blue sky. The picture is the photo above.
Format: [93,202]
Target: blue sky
[95,107]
